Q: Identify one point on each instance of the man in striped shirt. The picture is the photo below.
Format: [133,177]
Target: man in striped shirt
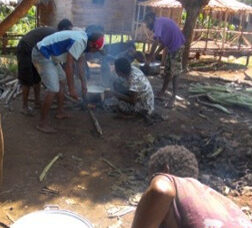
[66,47]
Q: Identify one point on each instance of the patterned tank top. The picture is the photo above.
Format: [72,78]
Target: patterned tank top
[199,206]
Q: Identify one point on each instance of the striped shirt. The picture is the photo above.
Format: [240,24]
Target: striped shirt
[57,45]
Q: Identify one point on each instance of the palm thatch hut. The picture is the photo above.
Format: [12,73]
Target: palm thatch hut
[115,15]
[218,39]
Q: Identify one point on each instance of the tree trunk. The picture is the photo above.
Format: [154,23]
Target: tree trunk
[18,13]
[1,152]
[191,18]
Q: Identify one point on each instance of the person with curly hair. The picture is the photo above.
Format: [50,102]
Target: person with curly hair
[175,198]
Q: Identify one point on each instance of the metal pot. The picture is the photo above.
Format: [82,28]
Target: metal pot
[152,69]
[51,218]
[95,93]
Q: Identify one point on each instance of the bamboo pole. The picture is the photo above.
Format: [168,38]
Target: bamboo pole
[224,32]
[161,12]
[208,27]
[134,17]
[1,151]
[137,22]
[241,31]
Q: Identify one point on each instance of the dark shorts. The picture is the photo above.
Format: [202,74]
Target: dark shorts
[27,73]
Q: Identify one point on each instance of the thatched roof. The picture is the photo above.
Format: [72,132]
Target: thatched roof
[162,4]
[228,5]
[214,5]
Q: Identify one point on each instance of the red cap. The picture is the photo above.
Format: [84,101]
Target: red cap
[98,44]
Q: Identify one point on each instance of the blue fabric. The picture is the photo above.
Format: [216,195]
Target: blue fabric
[57,48]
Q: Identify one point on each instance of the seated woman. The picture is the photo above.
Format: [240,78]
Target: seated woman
[175,199]
[133,94]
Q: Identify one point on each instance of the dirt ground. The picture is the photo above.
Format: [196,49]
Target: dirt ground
[83,181]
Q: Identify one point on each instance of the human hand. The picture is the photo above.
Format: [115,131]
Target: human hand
[108,93]
[148,59]
[84,90]
[74,94]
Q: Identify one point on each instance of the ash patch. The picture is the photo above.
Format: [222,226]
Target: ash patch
[219,164]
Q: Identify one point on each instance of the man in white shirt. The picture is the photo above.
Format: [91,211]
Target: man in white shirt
[64,47]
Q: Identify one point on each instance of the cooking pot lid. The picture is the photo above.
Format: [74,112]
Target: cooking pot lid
[152,64]
[52,219]
[95,89]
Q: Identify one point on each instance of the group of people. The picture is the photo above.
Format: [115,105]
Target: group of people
[49,55]
[174,197]
[52,55]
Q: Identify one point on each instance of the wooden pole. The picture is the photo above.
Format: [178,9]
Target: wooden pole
[137,22]
[134,17]
[20,11]
[95,122]
[208,27]
[161,12]
[1,151]
[240,29]
[224,32]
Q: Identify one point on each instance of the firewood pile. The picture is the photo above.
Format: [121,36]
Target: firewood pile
[9,89]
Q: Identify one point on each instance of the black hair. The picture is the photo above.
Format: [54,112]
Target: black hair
[122,65]
[180,162]
[65,24]
[151,15]
[94,29]
[94,36]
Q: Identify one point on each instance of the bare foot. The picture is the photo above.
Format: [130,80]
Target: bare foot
[28,111]
[46,129]
[160,94]
[62,116]
[171,103]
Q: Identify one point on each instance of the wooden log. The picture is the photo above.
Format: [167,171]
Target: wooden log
[14,89]
[18,91]
[1,151]
[95,121]
[7,79]
[11,82]
[5,93]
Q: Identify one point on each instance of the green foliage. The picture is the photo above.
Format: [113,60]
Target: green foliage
[23,26]
[8,65]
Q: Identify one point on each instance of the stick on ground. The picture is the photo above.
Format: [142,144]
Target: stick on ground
[95,121]
[1,152]
[47,168]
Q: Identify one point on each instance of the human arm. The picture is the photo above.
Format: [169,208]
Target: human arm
[154,204]
[131,98]
[69,76]
[153,51]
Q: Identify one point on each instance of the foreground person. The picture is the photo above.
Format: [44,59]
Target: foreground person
[134,95]
[175,199]
[27,73]
[66,47]
[167,35]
